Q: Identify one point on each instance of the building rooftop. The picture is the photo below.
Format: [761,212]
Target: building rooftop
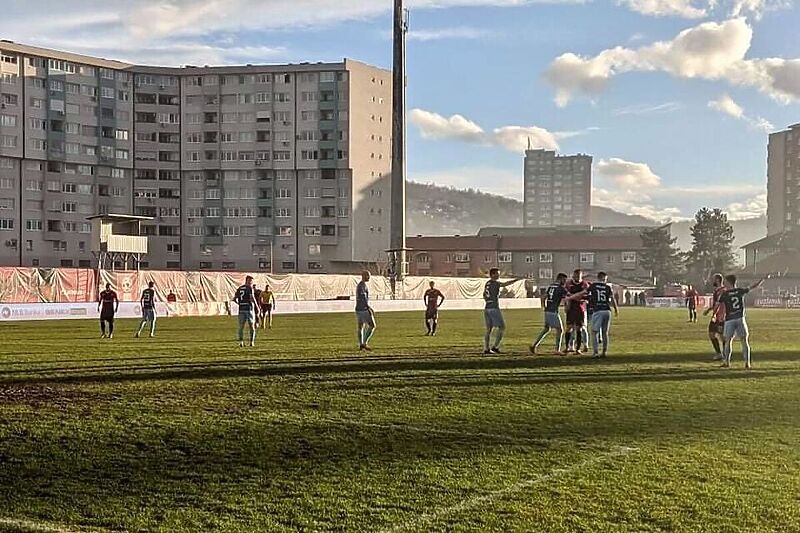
[551,242]
[11,46]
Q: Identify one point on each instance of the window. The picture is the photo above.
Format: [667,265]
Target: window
[284,193]
[312,231]
[587,258]
[69,207]
[283,212]
[13,99]
[629,257]
[121,135]
[504,257]
[8,120]
[330,230]
[8,141]
[545,273]
[282,155]
[546,257]
[285,231]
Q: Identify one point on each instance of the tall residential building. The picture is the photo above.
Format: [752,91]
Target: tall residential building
[558,189]
[783,181]
[282,168]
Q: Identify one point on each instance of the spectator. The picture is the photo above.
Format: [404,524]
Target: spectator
[171,298]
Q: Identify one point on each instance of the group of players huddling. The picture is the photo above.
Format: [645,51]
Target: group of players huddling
[584,303]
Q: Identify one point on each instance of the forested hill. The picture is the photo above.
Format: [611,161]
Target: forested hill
[435,210]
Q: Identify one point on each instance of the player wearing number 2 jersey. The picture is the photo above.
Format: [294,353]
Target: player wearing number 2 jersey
[555,295]
[735,323]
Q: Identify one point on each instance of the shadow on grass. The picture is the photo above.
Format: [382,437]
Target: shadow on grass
[374,368]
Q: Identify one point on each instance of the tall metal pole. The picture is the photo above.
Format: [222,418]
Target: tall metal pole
[397,245]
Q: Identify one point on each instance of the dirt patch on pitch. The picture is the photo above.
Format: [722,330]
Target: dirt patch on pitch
[38,395]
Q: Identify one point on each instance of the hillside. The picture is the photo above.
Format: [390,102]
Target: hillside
[745,231]
[435,210]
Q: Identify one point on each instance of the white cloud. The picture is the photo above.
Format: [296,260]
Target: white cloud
[710,51]
[647,109]
[633,203]
[439,34]
[435,126]
[457,127]
[753,207]
[757,8]
[726,105]
[627,174]
[174,32]
[665,8]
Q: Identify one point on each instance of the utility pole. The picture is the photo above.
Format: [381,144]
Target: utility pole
[397,242]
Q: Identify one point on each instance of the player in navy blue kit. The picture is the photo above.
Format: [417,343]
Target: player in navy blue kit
[554,297]
[148,305]
[735,323]
[248,307]
[601,300]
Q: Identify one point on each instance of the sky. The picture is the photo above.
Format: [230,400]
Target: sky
[673,98]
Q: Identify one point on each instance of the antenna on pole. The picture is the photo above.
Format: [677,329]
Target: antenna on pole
[397,242]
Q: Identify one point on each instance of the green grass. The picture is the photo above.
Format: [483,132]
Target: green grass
[187,432]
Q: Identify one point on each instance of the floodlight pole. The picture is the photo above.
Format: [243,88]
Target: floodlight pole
[397,239]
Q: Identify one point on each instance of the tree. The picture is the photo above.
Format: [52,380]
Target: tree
[660,255]
[712,245]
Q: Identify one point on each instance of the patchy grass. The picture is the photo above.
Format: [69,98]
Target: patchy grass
[187,432]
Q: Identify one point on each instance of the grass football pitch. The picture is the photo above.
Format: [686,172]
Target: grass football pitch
[189,433]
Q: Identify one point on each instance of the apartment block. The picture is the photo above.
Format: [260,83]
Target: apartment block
[558,189]
[783,181]
[281,168]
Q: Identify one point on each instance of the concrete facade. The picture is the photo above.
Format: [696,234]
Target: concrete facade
[281,168]
[783,181]
[558,190]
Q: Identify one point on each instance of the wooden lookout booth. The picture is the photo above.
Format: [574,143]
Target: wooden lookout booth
[117,241]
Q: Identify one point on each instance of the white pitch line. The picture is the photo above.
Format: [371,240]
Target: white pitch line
[490,498]
[44,527]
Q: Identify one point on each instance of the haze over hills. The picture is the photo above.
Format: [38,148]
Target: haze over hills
[435,210]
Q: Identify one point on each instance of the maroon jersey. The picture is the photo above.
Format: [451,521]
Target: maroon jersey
[574,287]
[107,299]
[432,297]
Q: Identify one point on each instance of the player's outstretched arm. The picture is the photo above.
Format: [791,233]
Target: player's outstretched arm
[614,305]
[441,299]
[758,283]
[116,303]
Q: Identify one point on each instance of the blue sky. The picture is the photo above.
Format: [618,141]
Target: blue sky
[674,98]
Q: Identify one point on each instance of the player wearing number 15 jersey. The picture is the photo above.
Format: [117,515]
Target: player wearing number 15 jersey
[735,323]
[601,300]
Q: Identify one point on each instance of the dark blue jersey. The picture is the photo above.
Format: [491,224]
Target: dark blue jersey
[553,298]
[733,300]
[244,297]
[491,294]
[600,296]
[362,296]
[148,298]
